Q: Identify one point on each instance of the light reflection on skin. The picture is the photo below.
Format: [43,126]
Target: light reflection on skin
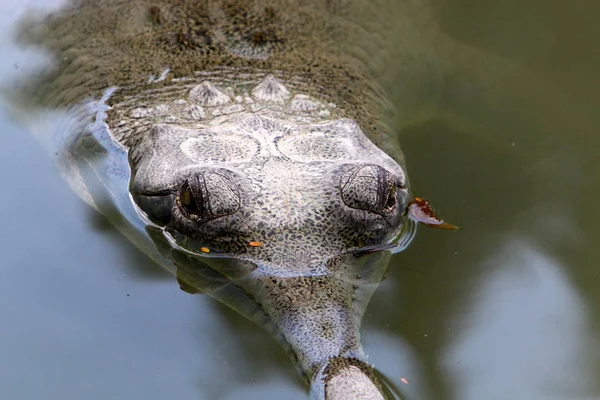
[529,335]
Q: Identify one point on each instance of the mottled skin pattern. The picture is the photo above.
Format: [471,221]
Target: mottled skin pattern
[246,158]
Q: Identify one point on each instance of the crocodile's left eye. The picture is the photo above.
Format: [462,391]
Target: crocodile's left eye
[187,201]
[207,196]
[373,188]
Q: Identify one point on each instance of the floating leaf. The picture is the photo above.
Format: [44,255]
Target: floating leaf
[420,210]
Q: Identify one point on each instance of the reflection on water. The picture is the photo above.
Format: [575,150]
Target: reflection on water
[523,328]
[506,308]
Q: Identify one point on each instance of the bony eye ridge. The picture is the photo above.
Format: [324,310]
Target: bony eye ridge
[370,188]
[207,196]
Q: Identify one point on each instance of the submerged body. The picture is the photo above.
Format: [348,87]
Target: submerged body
[228,140]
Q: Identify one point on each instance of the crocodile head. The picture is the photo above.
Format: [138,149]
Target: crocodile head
[286,186]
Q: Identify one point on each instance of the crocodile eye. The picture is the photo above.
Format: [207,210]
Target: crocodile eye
[207,196]
[187,201]
[391,197]
[371,188]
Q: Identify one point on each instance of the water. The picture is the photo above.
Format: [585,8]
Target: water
[505,308]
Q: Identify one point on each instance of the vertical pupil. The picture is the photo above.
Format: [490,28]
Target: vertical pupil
[187,199]
[391,200]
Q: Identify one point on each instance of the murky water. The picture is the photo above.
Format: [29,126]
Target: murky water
[504,309]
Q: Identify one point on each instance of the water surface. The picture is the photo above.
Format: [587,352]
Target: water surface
[507,308]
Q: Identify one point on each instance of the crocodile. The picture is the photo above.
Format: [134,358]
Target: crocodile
[247,146]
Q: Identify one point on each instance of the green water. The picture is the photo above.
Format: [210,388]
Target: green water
[507,308]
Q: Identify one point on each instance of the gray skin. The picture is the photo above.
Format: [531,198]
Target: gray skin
[262,122]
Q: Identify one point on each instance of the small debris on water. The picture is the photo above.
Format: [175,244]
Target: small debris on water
[255,244]
[404,380]
[420,210]
[205,249]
